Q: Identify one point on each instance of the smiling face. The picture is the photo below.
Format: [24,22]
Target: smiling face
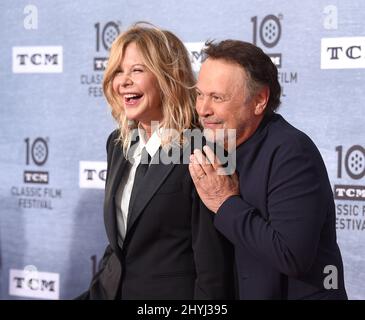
[223,101]
[138,88]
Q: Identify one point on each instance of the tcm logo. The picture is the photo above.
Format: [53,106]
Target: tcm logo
[343,53]
[92,174]
[36,177]
[345,192]
[34,284]
[38,59]
[196,55]
[100,64]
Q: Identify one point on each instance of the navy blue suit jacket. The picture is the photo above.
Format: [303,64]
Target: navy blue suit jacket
[283,223]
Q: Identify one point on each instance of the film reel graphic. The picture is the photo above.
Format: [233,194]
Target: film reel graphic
[36,151]
[106,34]
[39,151]
[355,162]
[270,31]
[109,34]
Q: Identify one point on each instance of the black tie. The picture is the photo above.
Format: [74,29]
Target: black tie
[138,178]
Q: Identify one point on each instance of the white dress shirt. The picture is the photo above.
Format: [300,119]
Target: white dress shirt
[124,190]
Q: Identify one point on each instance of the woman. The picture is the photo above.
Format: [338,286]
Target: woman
[162,242]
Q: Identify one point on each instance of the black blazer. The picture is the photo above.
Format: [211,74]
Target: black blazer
[171,248]
[283,223]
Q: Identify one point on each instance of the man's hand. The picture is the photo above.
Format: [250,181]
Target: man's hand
[213,186]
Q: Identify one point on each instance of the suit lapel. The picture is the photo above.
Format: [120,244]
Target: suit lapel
[118,164]
[155,176]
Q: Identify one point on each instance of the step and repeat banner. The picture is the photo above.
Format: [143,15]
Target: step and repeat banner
[54,121]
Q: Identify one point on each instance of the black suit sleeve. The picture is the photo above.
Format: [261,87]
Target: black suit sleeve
[297,203]
[213,256]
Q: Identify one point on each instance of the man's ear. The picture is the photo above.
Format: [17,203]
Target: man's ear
[261,99]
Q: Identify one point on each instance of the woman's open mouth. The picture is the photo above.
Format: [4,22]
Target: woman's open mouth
[131,99]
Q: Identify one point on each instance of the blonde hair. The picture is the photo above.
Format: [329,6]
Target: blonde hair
[167,58]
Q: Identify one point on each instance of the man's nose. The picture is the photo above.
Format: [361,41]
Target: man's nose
[203,107]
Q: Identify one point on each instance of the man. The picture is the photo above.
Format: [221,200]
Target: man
[278,210]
